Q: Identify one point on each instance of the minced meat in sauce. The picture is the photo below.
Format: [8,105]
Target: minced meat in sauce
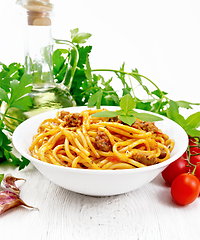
[144,158]
[145,126]
[103,142]
[71,119]
[139,124]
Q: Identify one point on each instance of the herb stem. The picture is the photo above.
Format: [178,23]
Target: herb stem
[7,116]
[189,155]
[129,74]
[132,86]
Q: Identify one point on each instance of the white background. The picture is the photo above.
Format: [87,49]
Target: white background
[159,38]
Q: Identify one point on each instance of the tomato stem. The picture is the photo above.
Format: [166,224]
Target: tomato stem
[188,160]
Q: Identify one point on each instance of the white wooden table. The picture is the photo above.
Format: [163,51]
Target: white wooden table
[144,214]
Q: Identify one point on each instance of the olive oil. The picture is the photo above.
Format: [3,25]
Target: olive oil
[45,100]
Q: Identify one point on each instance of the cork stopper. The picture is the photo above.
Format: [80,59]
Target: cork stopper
[38,12]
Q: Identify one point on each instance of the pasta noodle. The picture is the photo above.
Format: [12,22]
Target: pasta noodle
[79,140]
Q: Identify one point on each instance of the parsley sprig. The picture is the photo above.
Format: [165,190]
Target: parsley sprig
[14,86]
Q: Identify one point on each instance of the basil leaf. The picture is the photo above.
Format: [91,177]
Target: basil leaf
[173,113]
[148,117]
[127,119]
[105,114]
[127,103]
[193,120]
[193,132]
[131,113]
[120,112]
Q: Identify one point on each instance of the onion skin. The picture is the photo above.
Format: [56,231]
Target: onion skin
[9,194]
[10,200]
[8,183]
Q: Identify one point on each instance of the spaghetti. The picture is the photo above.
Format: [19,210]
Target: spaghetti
[79,140]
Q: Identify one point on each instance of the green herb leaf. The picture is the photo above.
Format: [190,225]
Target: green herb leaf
[129,113]
[173,113]
[193,132]
[74,32]
[20,163]
[4,141]
[127,103]
[127,119]
[95,99]
[19,89]
[7,155]
[58,63]
[83,55]
[126,114]
[159,94]
[88,73]
[23,163]
[23,103]
[148,117]
[3,95]
[185,104]
[79,37]
[106,114]
[193,121]
[145,105]
[5,82]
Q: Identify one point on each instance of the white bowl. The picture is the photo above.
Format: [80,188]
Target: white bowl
[97,182]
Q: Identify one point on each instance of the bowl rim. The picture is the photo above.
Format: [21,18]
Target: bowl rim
[35,161]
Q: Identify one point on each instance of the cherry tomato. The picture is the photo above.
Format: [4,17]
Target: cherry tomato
[194,150]
[193,142]
[197,172]
[195,159]
[185,155]
[174,169]
[185,188]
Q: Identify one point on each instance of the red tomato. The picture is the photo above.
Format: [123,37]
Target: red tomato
[192,142]
[185,155]
[194,150]
[195,159]
[174,169]
[185,188]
